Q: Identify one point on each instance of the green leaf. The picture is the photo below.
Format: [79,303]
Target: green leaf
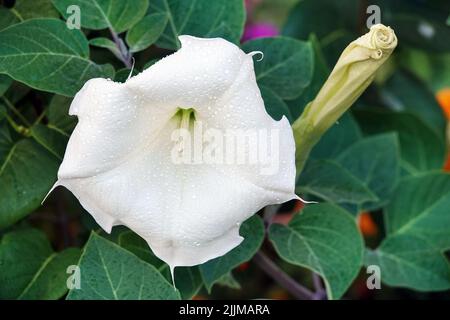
[320,73]
[287,67]
[421,207]
[5,83]
[105,43]
[50,281]
[22,253]
[199,18]
[26,9]
[51,139]
[7,18]
[150,63]
[417,227]
[122,75]
[325,239]
[46,55]
[144,33]
[275,106]
[376,162]
[228,280]
[338,138]
[118,15]
[421,149]
[403,92]
[410,262]
[58,114]
[252,230]
[29,267]
[309,16]
[110,272]
[187,279]
[328,180]
[27,172]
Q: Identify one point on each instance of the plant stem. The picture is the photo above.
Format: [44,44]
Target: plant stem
[316,281]
[269,212]
[320,293]
[125,54]
[15,111]
[282,278]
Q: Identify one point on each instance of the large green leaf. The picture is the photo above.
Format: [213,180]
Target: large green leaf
[421,207]
[320,17]
[29,269]
[403,92]
[187,279]
[26,9]
[287,66]
[7,18]
[421,148]
[58,115]
[376,162]
[110,272]
[418,232]
[338,138]
[330,181]
[325,239]
[46,55]
[146,32]
[118,15]
[5,82]
[275,106]
[106,43]
[200,18]
[253,232]
[411,262]
[51,139]
[27,172]
[320,73]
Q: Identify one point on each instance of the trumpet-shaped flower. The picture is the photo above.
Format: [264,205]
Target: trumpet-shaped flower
[121,160]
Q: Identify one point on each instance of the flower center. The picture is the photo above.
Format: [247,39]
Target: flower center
[185,118]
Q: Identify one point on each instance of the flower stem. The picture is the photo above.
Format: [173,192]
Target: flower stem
[282,278]
[125,54]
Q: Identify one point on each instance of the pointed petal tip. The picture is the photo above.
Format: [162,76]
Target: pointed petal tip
[188,255]
[57,184]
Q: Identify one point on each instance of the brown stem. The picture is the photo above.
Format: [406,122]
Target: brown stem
[282,278]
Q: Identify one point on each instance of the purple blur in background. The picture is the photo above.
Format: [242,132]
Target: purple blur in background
[259,30]
[254,29]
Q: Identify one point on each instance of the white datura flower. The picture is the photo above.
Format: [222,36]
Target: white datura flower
[121,165]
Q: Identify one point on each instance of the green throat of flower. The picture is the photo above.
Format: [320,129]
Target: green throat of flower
[185,118]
